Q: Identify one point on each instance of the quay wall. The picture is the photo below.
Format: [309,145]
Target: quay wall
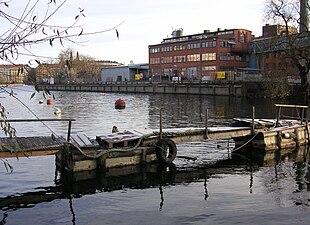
[229,89]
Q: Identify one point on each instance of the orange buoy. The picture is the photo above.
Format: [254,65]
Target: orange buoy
[120,104]
[49,101]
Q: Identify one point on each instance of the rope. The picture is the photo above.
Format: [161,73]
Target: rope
[107,151]
[246,143]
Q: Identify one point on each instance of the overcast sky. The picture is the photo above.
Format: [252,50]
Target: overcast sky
[146,23]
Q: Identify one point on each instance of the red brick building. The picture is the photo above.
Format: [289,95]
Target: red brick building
[213,55]
[271,52]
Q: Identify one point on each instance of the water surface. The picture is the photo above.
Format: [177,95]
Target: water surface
[217,188]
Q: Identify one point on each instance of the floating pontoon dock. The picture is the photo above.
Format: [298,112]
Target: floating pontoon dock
[79,153]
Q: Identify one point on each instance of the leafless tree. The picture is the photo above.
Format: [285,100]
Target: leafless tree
[33,26]
[293,13]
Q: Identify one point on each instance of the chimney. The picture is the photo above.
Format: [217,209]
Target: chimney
[304,20]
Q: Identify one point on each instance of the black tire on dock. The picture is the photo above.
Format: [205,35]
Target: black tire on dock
[161,148]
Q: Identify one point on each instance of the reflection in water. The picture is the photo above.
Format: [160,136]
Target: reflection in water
[5,215]
[205,188]
[161,197]
[74,185]
[190,110]
[72,210]
[281,168]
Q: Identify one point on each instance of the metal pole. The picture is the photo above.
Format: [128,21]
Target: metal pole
[69,131]
[206,124]
[278,116]
[160,124]
[253,119]
[302,115]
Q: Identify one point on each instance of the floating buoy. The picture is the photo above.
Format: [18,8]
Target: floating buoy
[120,104]
[41,101]
[49,101]
[57,111]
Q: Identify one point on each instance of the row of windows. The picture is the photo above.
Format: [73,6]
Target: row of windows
[183,58]
[179,58]
[191,71]
[154,60]
[230,57]
[208,68]
[166,59]
[154,50]
[226,44]
[208,44]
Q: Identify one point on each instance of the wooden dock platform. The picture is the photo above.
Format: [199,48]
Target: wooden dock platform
[114,149]
[46,145]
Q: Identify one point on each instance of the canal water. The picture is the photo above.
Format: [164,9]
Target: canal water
[207,184]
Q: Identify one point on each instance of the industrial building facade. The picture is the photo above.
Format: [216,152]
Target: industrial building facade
[13,74]
[211,55]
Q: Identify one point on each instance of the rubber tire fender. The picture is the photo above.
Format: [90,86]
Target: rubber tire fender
[164,145]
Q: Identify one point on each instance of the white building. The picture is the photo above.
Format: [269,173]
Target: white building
[132,72]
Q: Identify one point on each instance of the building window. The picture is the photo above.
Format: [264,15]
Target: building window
[179,58]
[242,38]
[166,49]
[193,46]
[193,58]
[208,68]
[168,72]
[154,50]
[179,47]
[208,56]
[154,60]
[166,59]
[192,72]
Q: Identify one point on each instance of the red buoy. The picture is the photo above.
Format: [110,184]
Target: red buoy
[49,101]
[120,104]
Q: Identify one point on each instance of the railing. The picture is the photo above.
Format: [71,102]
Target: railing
[301,107]
[43,120]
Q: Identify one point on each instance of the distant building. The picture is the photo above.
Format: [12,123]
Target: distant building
[132,72]
[45,71]
[269,52]
[14,74]
[80,71]
[277,30]
[212,55]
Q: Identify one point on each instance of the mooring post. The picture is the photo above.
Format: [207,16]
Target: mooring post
[161,124]
[206,124]
[278,116]
[253,119]
[69,130]
[302,115]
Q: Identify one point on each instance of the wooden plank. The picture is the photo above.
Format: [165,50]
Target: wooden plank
[27,153]
[85,139]
[75,138]
[31,143]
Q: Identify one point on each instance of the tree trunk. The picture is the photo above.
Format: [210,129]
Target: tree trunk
[303,72]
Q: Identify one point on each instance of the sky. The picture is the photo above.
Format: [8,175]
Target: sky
[140,23]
